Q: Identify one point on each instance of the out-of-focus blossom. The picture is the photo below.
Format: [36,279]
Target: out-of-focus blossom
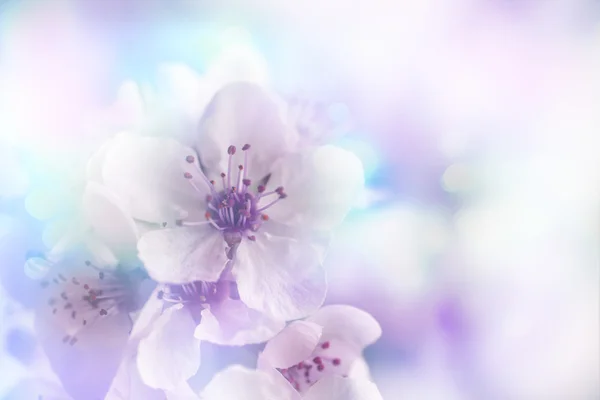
[327,344]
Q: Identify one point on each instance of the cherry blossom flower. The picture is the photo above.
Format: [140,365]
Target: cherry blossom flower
[91,287]
[275,257]
[328,343]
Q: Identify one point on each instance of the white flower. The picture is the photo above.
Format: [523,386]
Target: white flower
[328,343]
[276,261]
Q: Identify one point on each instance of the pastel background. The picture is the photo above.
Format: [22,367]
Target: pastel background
[475,243]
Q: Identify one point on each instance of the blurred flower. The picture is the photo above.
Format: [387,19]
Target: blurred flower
[328,343]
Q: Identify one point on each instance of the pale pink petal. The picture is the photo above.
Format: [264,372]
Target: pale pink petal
[184,254]
[242,113]
[233,323]
[170,354]
[148,174]
[294,344]
[279,276]
[321,187]
[334,387]
[240,383]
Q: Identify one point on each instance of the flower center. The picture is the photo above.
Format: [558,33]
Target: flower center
[79,301]
[197,292]
[237,209]
[304,374]
[198,295]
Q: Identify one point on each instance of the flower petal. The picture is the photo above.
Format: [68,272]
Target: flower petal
[279,276]
[148,174]
[128,384]
[332,387]
[85,368]
[110,221]
[93,170]
[240,383]
[294,344]
[353,327]
[321,186]
[182,255]
[232,323]
[170,354]
[242,113]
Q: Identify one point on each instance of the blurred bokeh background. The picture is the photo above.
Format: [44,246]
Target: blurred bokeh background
[475,243]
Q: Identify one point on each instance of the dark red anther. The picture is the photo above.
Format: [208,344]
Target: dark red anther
[264,217]
[336,361]
[246,182]
[246,147]
[231,150]
[252,238]
[103,312]
[209,198]
[301,364]
[212,183]
[325,345]
[223,175]
[317,360]
[320,367]
[240,167]
[261,188]
[86,286]
[282,195]
[187,175]
[207,215]
[190,159]
[279,190]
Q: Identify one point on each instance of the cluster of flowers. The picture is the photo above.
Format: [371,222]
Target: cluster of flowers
[221,240]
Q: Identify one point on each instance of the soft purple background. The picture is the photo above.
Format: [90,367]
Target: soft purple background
[474,245]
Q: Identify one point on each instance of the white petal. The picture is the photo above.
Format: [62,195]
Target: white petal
[334,387]
[279,276]
[147,316]
[170,354]
[109,220]
[354,328]
[148,174]
[233,323]
[96,162]
[240,383]
[359,369]
[294,344]
[321,185]
[182,255]
[128,384]
[239,114]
